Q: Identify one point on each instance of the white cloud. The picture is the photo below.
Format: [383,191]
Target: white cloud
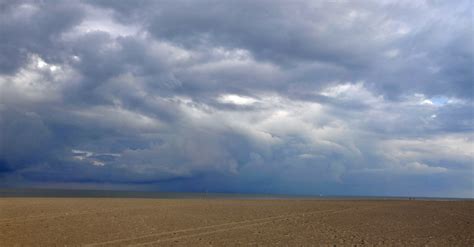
[92,158]
[418,167]
[98,163]
[37,82]
[351,91]
[426,102]
[443,149]
[103,20]
[236,99]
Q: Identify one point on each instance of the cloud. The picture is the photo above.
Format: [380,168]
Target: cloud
[240,96]
[236,99]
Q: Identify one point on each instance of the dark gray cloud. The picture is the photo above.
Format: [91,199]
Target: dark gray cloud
[383,43]
[238,96]
[33,28]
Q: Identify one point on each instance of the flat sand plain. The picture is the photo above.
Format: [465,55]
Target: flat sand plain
[232,222]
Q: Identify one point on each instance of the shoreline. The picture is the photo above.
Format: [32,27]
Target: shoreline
[90,193]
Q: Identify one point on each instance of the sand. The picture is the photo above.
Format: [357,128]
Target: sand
[232,222]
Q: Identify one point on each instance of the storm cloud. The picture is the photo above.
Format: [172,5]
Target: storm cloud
[298,97]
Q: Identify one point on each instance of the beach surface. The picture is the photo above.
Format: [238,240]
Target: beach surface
[234,222]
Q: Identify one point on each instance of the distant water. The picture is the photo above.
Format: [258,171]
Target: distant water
[62,193]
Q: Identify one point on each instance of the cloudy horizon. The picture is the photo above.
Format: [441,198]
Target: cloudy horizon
[286,97]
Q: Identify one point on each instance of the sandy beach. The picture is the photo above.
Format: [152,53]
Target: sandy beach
[234,222]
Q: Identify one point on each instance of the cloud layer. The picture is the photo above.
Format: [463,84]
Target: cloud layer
[365,98]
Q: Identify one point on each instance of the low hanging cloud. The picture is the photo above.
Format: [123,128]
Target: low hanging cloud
[349,98]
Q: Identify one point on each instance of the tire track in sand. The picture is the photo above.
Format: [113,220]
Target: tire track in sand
[160,237]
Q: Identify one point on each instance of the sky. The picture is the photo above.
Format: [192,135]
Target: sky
[284,97]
